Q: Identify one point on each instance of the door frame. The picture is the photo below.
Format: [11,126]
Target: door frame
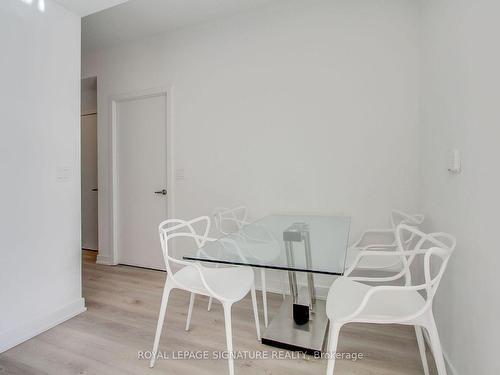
[167,93]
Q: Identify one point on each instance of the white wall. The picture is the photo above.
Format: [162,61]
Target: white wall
[296,107]
[332,85]
[460,109]
[40,276]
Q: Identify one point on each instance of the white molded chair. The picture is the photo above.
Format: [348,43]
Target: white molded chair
[231,220]
[381,239]
[228,285]
[350,300]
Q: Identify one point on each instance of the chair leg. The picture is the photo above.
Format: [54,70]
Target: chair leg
[229,336]
[264,294]
[333,339]
[255,312]
[210,300]
[190,311]
[421,348]
[436,347]
[163,308]
[209,304]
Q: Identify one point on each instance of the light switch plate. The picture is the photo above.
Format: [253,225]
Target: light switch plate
[179,174]
[63,173]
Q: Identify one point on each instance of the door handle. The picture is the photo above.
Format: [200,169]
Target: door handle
[162,192]
[95,189]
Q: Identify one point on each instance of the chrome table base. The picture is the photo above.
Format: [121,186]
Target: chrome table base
[284,332]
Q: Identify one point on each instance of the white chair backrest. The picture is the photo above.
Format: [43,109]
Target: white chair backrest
[399,217]
[178,228]
[429,245]
[229,220]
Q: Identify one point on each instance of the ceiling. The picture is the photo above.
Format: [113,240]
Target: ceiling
[137,19]
[86,7]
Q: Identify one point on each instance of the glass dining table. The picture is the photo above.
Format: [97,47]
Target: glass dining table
[302,246]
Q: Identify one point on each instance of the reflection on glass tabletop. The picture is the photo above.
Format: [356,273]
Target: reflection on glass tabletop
[262,244]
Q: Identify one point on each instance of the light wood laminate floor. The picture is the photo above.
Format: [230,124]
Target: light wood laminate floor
[123,304]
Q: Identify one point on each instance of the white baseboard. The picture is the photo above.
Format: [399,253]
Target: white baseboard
[89,246]
[16,336]
[103,259]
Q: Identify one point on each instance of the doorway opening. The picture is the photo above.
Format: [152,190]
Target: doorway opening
[89,182]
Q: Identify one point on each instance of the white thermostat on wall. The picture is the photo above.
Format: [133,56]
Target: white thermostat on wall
[454,161]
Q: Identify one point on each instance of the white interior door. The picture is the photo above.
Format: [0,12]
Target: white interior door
[141,173]
[89,181]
